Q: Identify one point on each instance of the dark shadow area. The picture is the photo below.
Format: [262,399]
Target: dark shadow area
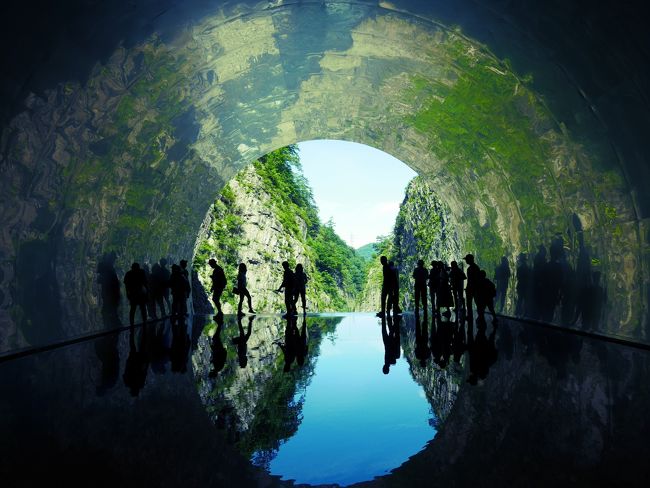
[524,398]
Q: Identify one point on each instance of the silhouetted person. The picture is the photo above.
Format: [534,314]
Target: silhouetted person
[391,338]
[157,285]
[137,363]
[180,289]
[288,283]
[165,274]
[385,284]
[393,294]
[186,275]
[482,352]
[109,283]
[151,300]
[523,285]
[434,280]
[300,290]
[219,353]
[422,351]
[457,281]
[218,278]
[302,347]
[502,277]
[473,278]
[443,295]
[485,293]
[135,284]
[242,289]
[241,341]
[420,276]
[180,349]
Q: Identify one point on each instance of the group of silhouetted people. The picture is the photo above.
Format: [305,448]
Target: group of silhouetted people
[294,286]
[149,290]
[444,286]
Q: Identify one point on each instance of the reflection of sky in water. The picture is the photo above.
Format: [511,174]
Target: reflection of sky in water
[357,422]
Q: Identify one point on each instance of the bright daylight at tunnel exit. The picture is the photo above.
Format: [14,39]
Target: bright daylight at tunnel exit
[324,243]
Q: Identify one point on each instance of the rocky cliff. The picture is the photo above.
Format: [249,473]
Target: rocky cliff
[266,215]
[423,230]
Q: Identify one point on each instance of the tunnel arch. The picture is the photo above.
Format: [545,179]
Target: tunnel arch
[154,131]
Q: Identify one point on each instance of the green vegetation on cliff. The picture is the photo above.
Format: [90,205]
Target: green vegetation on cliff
[266,215]
[422,231]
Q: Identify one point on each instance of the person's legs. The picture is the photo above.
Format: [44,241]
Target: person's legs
[241,300]
[132,307]
[384,298]
[250,302]
[143,311]
[216,299]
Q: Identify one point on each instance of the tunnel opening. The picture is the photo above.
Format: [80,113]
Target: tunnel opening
[121,123]
[135,151]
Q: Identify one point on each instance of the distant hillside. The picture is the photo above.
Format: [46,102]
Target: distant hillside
[367,251]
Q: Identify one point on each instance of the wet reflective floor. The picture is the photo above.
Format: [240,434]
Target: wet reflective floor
[330,399]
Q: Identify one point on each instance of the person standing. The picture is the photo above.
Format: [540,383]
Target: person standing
[300,290]
[219,281]
[135,283]
[179,288]
[457,278]
[485,293]
[420,276]
[242,289]
[473,280]
[288,283]
[186,275]
[385,284]
[434,279]
[393,299]
[444,292]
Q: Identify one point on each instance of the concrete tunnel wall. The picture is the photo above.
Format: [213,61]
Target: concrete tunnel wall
[122,145]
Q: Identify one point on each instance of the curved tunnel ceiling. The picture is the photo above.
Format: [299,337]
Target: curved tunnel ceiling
[121,137]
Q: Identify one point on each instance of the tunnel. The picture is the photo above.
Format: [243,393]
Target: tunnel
[121,122]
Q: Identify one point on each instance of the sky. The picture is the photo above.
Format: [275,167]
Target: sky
[359,187]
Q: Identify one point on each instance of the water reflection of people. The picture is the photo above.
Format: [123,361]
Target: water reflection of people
[180,348]
[422,351]
[303,344]
[219,352]
[137,363]
[390,333]
[106,347]
[482,351]
[291,341]
[241,341]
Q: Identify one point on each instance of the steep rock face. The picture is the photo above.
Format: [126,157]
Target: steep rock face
[248,224]
[424,229]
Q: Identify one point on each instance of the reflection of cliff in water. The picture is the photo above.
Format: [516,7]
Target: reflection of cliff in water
[260,405]
[440,385]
